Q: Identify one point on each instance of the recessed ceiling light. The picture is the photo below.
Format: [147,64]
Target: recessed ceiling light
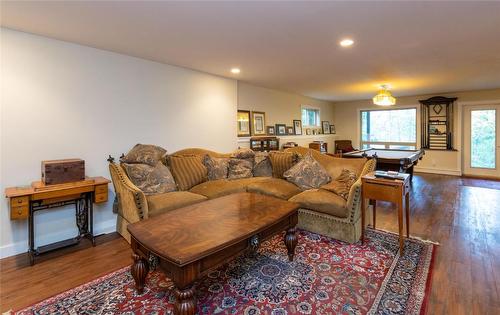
[235,70]
[346,42]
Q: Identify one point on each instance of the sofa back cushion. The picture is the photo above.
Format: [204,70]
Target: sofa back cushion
[334,166]
[201,152]
[151,179]
[282,161]
[188,170]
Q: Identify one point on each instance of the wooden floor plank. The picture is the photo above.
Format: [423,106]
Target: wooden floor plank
[462,214]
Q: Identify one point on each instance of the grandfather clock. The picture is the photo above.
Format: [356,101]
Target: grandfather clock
[437,123]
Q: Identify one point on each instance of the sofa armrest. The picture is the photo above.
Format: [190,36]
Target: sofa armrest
[132,203]
[354,199]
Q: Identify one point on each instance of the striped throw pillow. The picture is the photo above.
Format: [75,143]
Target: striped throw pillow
[188,170]
[282,162]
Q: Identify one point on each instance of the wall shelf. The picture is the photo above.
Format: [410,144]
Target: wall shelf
[437,123]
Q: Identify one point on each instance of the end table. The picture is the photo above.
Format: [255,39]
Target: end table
[396,191]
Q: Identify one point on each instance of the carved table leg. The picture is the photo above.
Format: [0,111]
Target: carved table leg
[185,303]
[82,216]
[291,242]
[139,270]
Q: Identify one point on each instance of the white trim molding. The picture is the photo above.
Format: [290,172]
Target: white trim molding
[437,171]
[19,247]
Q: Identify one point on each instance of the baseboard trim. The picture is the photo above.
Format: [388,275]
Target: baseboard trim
[495,178]
[438,171]
[22,246]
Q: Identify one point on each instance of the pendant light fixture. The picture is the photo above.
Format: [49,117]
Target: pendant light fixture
[384,97]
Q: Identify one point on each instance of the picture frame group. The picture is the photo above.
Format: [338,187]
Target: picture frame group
[253,123]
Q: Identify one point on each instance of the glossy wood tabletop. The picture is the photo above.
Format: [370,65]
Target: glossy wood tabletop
[195,231]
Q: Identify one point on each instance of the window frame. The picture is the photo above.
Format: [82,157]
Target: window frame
[388,144]
[302,107]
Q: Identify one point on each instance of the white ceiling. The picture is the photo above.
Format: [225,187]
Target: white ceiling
[417,47]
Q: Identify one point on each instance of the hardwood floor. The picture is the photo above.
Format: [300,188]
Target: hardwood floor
[463,215]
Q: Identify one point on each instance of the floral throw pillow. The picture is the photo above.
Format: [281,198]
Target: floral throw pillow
[217,168]
[145,154]
[240,168]
[262,166]
[151,180]
[243,154]
[307,173]
[342,184]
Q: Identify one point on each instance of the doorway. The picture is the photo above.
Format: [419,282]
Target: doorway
[481,153]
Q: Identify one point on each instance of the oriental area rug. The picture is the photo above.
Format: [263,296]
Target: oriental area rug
[326,277]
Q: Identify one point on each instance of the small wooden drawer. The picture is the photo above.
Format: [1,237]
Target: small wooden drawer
[19,201]
[19,212]
[100,189]
[382,191]
[102,197]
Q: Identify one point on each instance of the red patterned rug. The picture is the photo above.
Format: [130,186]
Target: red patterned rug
[326,277]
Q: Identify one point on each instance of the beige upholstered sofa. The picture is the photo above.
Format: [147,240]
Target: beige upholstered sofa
[321,211]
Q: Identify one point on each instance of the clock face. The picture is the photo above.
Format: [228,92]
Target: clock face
[437,108]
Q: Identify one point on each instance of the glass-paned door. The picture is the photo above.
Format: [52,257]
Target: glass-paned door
[481,140]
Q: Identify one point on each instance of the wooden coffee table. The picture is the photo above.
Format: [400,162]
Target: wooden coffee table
[188,242]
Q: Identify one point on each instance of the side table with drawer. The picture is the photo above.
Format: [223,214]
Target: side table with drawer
[25,201]
[396,191]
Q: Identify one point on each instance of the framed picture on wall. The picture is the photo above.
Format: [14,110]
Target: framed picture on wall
[297,127]
[243,119]
[289,130]
[270,131]
[259,123]
[280,129]
[325,126]
[332,129]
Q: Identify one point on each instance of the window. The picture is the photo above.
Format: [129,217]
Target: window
[483,138]
[310,117]
[389,129]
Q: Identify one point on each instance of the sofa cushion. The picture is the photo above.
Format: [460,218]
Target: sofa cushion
[145,154]
[282,161]
[262,165]
[222,187]
[342,184]
[307,173]
[149,179]
[161,203]
[217,168]
[240,168]
[322,201]
[188,170]
[334,166]
[275,187]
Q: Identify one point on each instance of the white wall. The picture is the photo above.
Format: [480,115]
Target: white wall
[440,162]
[282,108]
[62,100]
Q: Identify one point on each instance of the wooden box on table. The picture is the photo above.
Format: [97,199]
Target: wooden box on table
[63,171]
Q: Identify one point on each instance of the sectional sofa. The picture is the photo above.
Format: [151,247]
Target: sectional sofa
[322,211]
